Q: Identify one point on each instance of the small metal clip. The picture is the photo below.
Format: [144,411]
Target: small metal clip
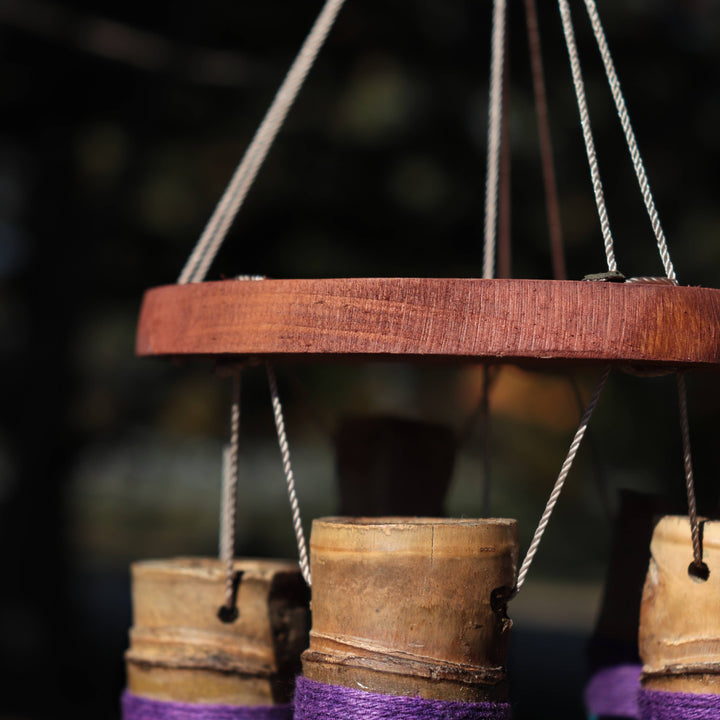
[610,276]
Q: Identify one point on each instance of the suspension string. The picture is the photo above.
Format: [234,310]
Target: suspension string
[689,477]
[598,467]
[217,227]
[651,280]
[504,224]
[289,476]
[225,493]
[228,499]
[559,483]
[546,152]
[587,133]
[495,111]
[630,138]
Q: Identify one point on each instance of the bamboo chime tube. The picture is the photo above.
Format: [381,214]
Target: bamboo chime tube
[402,606]
[680,618]
[180,651]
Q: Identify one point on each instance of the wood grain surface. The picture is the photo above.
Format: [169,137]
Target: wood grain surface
[543,321]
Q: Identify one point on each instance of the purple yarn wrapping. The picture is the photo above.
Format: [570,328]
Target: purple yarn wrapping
[661,705]
[317,701]
[614,691]
[139,708]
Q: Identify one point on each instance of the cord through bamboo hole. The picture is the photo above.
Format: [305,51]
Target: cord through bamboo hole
[698,569]
[228,611]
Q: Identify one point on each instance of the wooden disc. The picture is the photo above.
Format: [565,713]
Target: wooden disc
[402,606]
[545,321]
[679,620]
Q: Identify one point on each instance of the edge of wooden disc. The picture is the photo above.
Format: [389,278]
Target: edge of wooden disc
[544,321]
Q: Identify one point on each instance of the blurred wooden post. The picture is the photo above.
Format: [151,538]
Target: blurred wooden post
[393,466]
[181,651]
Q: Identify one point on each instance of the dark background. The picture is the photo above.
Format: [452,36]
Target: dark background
[120,126]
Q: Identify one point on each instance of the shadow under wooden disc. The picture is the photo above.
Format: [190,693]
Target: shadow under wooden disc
[544,322]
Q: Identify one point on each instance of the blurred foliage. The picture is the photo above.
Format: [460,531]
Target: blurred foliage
[122,123]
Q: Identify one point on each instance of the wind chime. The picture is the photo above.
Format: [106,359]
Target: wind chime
[410,613]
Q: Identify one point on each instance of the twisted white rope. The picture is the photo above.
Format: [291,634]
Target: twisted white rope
[587,133]
[689,476]
[644,280]
[560,482]
[217,227]
[495,111]
[630,137]
[225,495]
[289,476]
[228,497]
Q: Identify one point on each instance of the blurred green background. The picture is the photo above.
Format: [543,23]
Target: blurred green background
[122,123]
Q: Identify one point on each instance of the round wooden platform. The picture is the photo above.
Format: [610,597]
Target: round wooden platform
[541,321]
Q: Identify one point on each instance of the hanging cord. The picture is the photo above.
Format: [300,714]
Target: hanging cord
[226,490]
[504,251]
[289,476]
[217,227]
[557,489]
[697,564]
[546,151]
[630,138]
[597,462]
[228,505]
[587,133]
[495,108]
[652,280]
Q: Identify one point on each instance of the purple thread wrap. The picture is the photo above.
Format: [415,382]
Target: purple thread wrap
[317,701]
[140,708]
[614,691]
[662,705]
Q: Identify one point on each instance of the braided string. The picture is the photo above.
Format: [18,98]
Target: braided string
[289,476]
[227,208]
[228,498]
[587,133]
[630,138]
[689,475]
[495,112]
[560,482]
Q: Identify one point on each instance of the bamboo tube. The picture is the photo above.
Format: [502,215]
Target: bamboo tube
[402,606]
[679,618]
[181,651]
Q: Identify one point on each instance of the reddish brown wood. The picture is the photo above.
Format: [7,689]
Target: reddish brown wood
[498,320]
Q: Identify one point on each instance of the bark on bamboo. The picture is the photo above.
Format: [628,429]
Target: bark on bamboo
[181,651]
[403,606]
